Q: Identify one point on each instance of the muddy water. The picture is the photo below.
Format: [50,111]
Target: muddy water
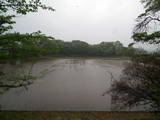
[72,84]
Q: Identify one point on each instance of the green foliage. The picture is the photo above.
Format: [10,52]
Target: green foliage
[16,45]
[104,49]
[6,20]
[145,20]
[151,6]
[157,53]
[153,38]
[107,48]
[139,83]
[76,48]
[21,7]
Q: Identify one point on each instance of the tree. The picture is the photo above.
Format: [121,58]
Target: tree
[107,48]
[79,48]
[8,9]
[119,48]
[139,83]
[47,45]
[151,14]
[145,23]
[16,45]
[75,48]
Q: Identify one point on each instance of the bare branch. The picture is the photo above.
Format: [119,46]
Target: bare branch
[143,25]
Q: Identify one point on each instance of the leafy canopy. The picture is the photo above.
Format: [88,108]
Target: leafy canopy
[16,45]
[139,83]
[146,22]
[8,9]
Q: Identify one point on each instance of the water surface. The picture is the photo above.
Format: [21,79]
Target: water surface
[72,84]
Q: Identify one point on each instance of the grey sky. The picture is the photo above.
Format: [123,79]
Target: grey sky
[92,21]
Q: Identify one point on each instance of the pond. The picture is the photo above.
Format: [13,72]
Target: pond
[68,84]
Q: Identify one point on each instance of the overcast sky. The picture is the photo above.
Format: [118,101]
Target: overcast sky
[92,21]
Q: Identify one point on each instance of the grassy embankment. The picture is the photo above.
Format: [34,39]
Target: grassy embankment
[78,116]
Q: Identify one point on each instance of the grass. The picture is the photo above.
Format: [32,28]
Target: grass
[78,116]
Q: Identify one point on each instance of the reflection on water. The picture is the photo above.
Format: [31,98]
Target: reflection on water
[66,84]
[14,74]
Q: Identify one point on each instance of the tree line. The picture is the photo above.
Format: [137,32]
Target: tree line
[16,45]
[140,81]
